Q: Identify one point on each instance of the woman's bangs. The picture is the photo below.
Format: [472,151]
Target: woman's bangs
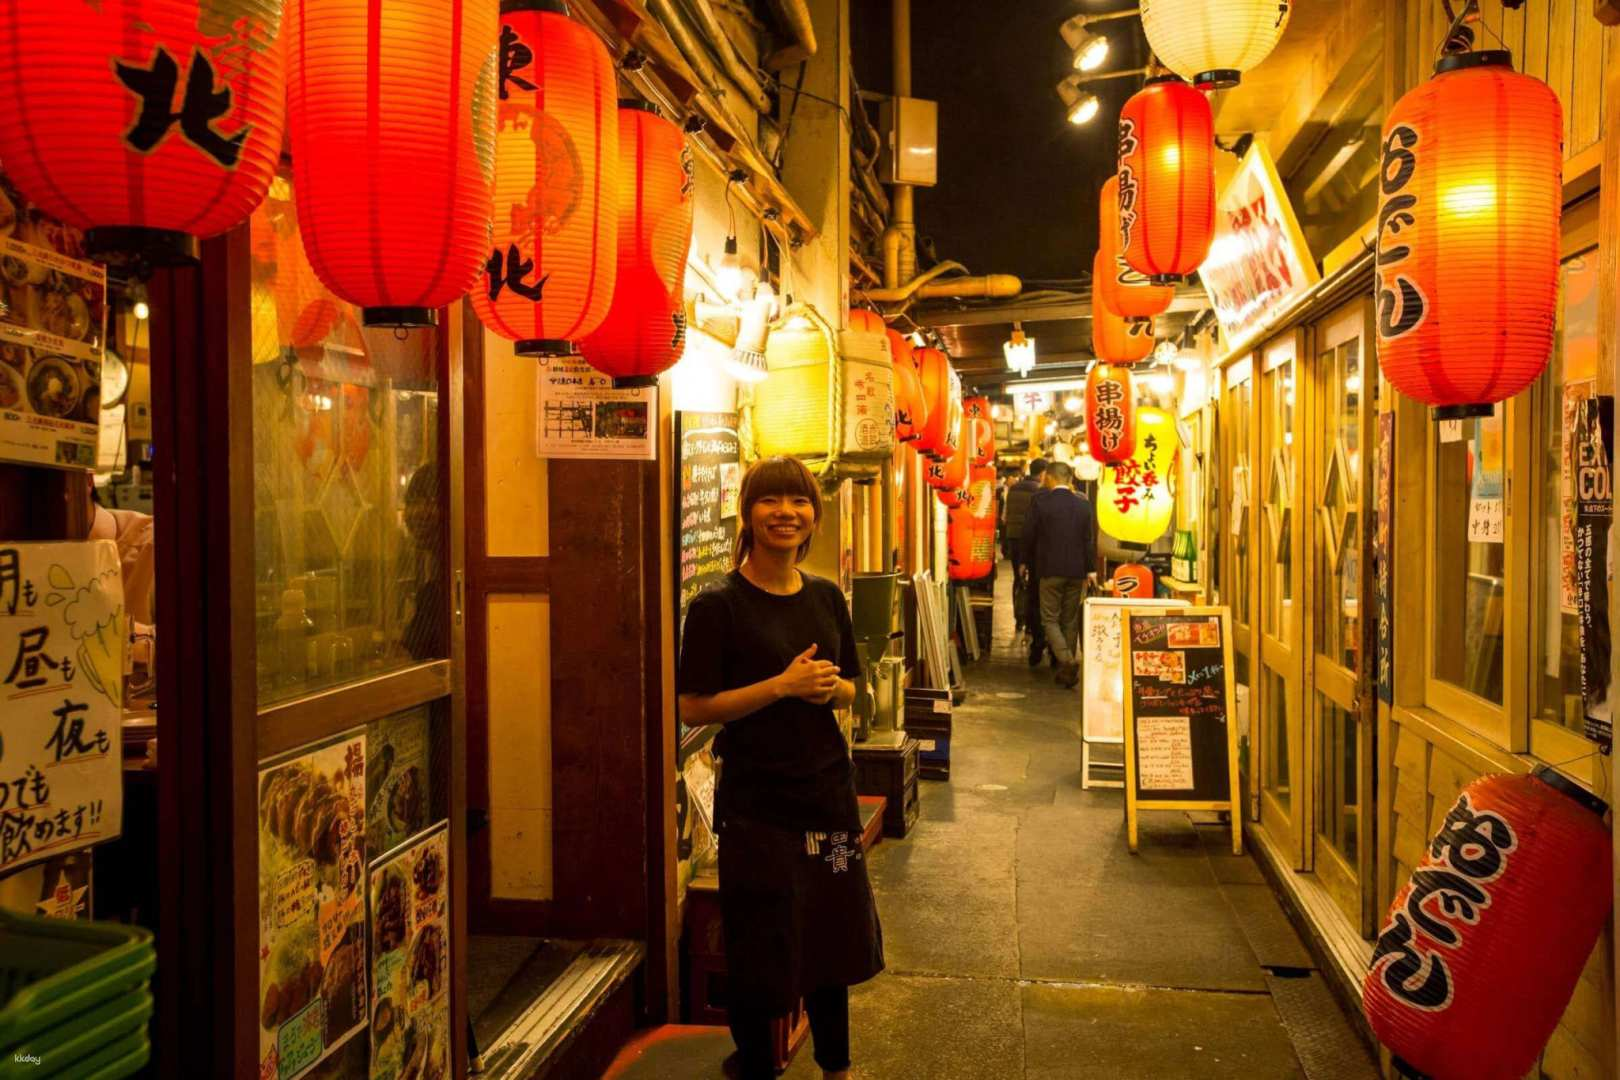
[781,476]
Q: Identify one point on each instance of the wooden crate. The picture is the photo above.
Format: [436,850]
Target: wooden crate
[892,773]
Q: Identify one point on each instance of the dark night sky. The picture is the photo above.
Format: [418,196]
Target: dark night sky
[1018,184]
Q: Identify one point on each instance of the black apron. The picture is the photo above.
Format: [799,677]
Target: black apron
[798,913]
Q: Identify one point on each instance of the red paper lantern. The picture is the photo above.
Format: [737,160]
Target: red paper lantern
[1166,179]
[942,393]
[1122,288]
[1114,338]
[645,327]
[392,121]
[971,532]
[1468,238]
[910,405]
[949,476]
[1110,413]
[1484,945]
[155,114]
[549,273]
[1133,580]
[984,430]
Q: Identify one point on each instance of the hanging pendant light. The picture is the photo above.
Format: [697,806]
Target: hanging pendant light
[148,122]
[1114,338]
[549,271]
[644,330]
[392,118]
[1213,42]
[1110,413]
[1470,195]
[1019,351]
[1166,180]
[1124,290]
[1134,502]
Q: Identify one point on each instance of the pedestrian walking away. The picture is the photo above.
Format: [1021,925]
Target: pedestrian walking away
[1061,536]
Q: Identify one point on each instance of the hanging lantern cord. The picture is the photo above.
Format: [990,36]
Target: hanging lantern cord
[1460,34]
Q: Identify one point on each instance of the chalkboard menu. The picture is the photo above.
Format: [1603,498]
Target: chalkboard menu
[710,478]
[1180,748]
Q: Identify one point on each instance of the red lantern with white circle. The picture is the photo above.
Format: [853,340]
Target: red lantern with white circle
[1114,338]
[1468,239]
[1484,944]
[550,270]
[159,115]
[391,114]
[1124,290]
[984,430]
[1133,581]
[1166,179]
[971,532]
[644,330]
[1110,413]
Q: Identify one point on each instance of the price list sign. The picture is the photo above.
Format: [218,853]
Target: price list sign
[709,478]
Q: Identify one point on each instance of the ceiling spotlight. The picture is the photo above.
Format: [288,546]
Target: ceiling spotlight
[1090,48]
[1019,350]
[1091,53]
[1084,109]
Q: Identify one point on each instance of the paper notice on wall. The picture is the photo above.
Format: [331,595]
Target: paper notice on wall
[1485,521]
[578,414]
[410,961]
[1164,760]
[62,640]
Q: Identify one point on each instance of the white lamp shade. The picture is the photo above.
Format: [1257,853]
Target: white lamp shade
[1199,37]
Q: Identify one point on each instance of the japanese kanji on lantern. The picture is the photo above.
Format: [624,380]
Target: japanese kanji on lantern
[1124,289]
[1134,501]
[1110,413]
[971,531]
[984,430]
[1133,581]
[1468,238]
[949,476]
[910,404]
[392,115]
[1114,338]
[1484,944]
[549,271]
[158,115]
[1166,179]
[644,330]
[942,391]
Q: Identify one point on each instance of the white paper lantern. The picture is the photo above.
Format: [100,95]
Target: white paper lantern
[1213,42]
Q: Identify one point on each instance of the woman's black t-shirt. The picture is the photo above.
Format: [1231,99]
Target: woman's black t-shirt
[787,764]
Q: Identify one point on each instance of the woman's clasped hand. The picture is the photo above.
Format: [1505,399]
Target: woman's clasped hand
[815,681]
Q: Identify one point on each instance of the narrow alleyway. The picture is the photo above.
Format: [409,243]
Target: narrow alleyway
[1024,941]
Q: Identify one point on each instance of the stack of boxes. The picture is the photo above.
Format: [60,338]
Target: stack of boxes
[928,720]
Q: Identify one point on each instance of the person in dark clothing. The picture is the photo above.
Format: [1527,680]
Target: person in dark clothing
[1015,509]
[1032,593]
[1062,535]
[769,654]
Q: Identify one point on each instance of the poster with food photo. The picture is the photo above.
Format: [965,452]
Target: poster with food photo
[410,961]
[53,320]
[312,969]
[398,794]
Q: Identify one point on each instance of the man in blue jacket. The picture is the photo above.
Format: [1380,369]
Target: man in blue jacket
[1060,541]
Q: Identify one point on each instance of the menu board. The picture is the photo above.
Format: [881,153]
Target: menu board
[410,961]
[1103,703]
[710,477]
[1180,748]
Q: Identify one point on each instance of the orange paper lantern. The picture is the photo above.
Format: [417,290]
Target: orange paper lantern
[1166,179]
[1468,236]
[1133,581]
[949,476]
[1110,413]
[910,405]
[549,273]
[1121,287]
[984,430]
[942,391]
[162,115]
[971,532]
[645,326]
[1114,338]
[392,121]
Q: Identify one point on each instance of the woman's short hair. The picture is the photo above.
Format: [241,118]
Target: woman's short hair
[772,476]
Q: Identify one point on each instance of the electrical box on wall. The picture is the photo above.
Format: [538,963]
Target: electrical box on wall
[909,128]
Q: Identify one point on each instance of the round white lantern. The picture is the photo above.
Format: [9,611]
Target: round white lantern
[1213,42]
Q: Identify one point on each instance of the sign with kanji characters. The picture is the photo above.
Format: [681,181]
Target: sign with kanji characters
[62,640]
[1594,510]
[578,414]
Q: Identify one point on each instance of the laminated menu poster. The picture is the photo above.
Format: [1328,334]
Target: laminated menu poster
[410,961]
[579,414]
[312,948]
[53,318]
[62,639]
[398,780]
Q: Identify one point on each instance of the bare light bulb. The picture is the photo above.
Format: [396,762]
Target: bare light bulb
[141,311]
[729,274]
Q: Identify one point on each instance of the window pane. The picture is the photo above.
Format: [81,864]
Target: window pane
[1338,509]
[1570,380]
[1469,521]
[1279,768]
[1337,808]
[347,538]
[1277,525]
[1242,498]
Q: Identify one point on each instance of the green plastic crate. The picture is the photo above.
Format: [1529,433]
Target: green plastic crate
[56,974]
[75,1045]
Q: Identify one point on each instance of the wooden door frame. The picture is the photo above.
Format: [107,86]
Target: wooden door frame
[1244,635]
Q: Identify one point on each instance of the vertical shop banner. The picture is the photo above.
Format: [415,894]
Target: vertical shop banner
[1383,558]
[312,949]
[62,639]
[1594,510]
[578,414]
[410,961]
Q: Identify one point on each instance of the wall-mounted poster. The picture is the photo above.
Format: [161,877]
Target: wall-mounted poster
[399,797]
[53,321]
[410,961]
[62,639]
[312,949]
[580,415]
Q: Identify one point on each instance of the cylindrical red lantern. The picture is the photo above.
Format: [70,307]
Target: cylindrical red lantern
[949,475]
[1122,288]
[971,533]
[1483,946]
[941,424]
[1110,413]
[1468,236]
[1133,581]
[984,430]
[392,120]
[644,330]
[161,115]
[1166,179]
[910,405]
[549,272]
[1114,338]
